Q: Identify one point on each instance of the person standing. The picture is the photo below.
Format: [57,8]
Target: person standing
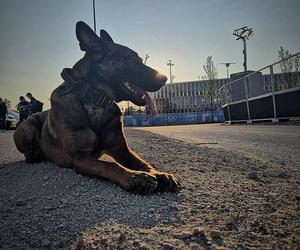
[3,112]
[34,105]
[23,108]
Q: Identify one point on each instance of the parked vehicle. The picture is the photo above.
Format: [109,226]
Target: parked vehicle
[12,119]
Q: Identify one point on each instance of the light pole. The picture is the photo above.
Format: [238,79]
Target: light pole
[227,64]
[244,33]
[146,57]
[170,64]
[94,12]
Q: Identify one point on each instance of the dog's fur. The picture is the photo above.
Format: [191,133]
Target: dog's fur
[84,121]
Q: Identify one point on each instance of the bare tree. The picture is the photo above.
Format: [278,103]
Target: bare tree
[210,87]
[288,66]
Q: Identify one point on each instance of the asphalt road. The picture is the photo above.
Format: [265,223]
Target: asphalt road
[272,143]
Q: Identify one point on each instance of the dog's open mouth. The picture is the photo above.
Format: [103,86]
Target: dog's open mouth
[137,95]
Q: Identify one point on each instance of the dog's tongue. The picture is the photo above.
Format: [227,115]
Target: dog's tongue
[149,102]
[147,97]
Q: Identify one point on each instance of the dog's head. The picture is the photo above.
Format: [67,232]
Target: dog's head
[114,68]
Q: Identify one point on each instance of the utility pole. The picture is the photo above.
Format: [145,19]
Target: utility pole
[146,57]
[94,12]
[227,64]
[244,33]
[170,64]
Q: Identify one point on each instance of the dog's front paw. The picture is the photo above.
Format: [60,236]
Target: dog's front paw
[140,182]
[166,182]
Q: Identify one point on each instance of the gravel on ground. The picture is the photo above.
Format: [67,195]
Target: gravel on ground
[229,200]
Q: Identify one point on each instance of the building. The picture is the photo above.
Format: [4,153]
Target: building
[189,96]
[184,97]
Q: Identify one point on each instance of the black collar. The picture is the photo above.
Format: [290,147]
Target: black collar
[85,90]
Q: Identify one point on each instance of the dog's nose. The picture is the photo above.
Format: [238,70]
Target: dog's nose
[162,78]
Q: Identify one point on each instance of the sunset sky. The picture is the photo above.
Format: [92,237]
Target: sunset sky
[38,36]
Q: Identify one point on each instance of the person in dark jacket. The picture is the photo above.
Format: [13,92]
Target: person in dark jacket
[34,105]
[3,112]
[23,108]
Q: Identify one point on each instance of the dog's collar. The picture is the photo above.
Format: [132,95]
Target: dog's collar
[85,90]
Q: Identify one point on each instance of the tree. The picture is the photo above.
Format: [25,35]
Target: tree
[288,65]
[210,88]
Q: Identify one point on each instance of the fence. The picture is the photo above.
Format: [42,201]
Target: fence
[173,119]
[271,93]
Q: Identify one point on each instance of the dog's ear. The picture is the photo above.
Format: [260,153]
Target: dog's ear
[105,36]
[88,40]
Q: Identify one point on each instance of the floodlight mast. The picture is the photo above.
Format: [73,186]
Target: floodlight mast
[244,33]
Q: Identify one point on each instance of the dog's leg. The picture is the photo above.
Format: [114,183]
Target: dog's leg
[134,181]
[27,136]
[116,146]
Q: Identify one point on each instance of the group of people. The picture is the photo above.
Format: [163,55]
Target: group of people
[25,108]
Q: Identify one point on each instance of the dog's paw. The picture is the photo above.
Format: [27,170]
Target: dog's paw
[166,182]
[32,157]
[141,183]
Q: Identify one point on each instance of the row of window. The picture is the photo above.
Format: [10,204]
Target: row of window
[186,88]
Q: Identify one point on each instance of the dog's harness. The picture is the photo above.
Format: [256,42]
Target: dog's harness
[85,90]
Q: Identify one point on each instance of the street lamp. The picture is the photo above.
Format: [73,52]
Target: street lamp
[244,33]
[227,64]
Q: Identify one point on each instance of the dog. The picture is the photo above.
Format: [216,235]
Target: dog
[84,121]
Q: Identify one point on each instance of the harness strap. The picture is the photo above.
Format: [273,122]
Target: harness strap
[85,90]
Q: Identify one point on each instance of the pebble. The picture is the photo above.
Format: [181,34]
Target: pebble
[252,175]
[168,246]
[215,234]
[21,203]
[174,205]
[144,247]
[136,243]
[198,231]
[45,242]
[184,235]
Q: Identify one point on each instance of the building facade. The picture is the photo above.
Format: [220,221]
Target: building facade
[190,96]
[184,97]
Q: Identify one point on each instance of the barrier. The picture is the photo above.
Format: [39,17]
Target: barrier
[271,93]
[141,120]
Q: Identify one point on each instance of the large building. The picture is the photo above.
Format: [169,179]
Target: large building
[185,97]
[190,96]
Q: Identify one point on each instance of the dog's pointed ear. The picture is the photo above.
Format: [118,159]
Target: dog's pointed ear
[88,39]
[105,36]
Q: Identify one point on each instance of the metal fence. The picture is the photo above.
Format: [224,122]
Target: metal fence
[272,92]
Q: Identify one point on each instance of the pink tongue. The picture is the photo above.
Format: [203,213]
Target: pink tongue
[148,99]
[149,102]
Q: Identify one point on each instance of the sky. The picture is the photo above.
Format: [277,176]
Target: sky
[38,36]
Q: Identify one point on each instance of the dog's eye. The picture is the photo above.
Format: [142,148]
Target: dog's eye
[116,64]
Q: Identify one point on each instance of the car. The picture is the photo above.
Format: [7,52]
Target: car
[12,120]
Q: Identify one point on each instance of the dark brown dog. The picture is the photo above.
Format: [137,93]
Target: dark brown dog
[84,121]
